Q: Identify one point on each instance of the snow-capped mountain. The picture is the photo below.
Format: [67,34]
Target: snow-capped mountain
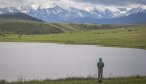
[71,14]
[18,16]
[7,10]
[136,10]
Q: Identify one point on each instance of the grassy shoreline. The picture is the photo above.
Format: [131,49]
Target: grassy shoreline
[122,80]
[132,37]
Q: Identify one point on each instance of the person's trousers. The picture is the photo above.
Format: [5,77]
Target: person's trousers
[100,73]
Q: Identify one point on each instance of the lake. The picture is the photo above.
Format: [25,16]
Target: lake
[41,61]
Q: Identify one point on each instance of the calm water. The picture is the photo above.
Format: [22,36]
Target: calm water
[52,61]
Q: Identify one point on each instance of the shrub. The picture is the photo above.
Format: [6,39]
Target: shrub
[129,30]
[2,81]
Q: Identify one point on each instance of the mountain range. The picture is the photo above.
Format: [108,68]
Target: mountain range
[18,16]
[75,15]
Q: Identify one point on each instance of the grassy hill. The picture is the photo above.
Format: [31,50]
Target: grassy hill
[27,27]
[19,23]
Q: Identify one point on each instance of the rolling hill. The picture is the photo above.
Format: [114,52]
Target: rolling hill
[33,27]
[26,27]
[19,23]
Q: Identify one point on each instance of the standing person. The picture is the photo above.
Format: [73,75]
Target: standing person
[100,66]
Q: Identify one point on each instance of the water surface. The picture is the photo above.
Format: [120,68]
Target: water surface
[52,61]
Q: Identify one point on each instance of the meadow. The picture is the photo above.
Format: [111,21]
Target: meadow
[133,37]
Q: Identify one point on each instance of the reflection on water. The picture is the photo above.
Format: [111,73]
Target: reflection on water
[53,61]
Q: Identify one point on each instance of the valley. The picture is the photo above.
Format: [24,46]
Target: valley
[72,41]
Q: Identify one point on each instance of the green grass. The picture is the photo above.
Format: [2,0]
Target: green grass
[32,28]
[26,27]
[128,80]
[133,37]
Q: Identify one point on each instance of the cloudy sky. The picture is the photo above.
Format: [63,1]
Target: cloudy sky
[83,4]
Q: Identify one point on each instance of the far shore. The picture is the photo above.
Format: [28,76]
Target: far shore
[74,44]
[132,37]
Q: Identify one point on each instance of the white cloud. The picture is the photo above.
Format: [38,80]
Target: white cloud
[46,3]
[13,3]
[81,4]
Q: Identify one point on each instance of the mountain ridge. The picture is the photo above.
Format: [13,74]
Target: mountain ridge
[18,16]
[94,15]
